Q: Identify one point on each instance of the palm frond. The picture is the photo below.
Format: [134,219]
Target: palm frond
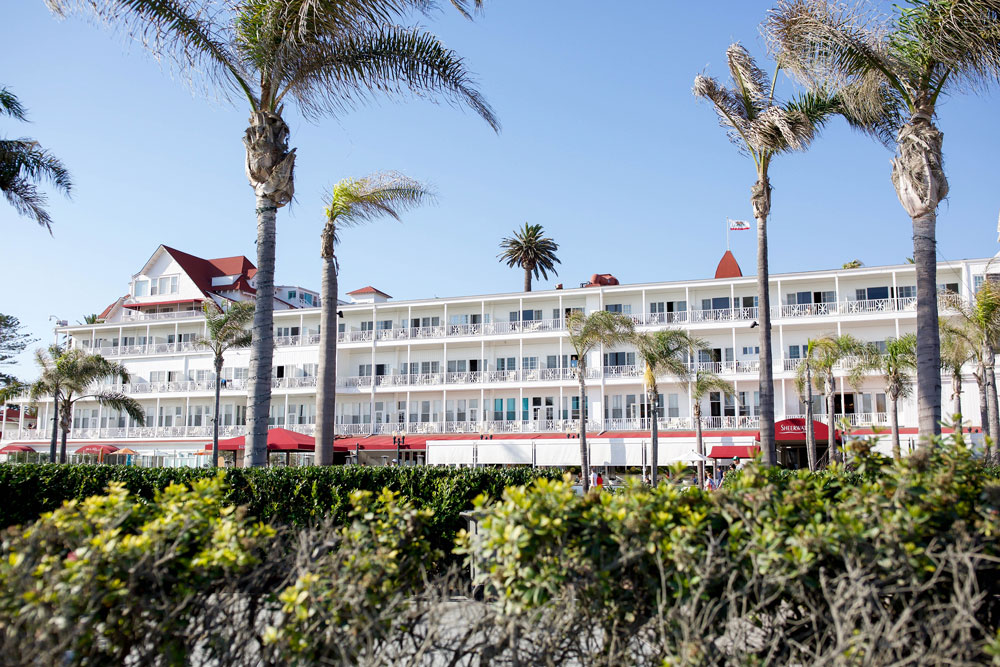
[750,80]
[189,33]
[121,402]
[23,165]
[382,194]
[600,327]
[706,382]
[11,106]
[729,107]
[334,74]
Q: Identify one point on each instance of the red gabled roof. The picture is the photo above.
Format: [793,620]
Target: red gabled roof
[107,311]
[368,289]
[201,271]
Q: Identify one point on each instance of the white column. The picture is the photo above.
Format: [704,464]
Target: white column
[187,413]
[156,418]
[286,411]
[784,408]
[148,341]
[643,313]
[100,419]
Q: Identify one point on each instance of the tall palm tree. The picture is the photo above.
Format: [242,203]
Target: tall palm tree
[24,164]
[531,251]
[226,331]
[663,353]
[763,128]
[894,70]
[351,202]
[324,56]
[980,322]
[957,350]
[896,364]
[69,375]
[705,382]
[587,333]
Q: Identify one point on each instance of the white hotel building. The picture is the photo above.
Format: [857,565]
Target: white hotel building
[451,370]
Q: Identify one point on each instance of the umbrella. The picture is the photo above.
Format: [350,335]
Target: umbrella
[96,449]
[10,449]
[689,456]
[126,450]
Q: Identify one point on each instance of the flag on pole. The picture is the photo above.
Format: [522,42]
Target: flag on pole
[739,225]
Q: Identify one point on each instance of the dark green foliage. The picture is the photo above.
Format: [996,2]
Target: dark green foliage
[281,495]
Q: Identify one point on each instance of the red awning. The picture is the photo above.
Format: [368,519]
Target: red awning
[96,449]
[278,440]
[794,430]
[160,303]
[733,451]
[10,449]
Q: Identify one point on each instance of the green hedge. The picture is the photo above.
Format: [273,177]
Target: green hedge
[282,495]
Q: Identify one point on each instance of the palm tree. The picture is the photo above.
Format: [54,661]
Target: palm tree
[49,383]
[531,251]
[763,128]
[68,375]
[226,331]
[896,363]
[352,202]
[958,349]
[706,382]
[979,321]
[804,385]
[894,70]
[853,264]
[828,352]
[586,333]
[90,319]
[326,57]
[663,353]
[24,164]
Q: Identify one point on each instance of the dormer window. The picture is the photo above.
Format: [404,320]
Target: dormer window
[141,288]
[291,294]
[165,285]
[308,298]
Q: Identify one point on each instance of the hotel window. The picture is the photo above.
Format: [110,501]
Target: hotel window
[871,293]
[673,405]
[200,415]
[428,367]
[511,413]
[906,292]
[157,376]
[165,285]
[751,351]
[506,363]
[286,331]
[383,325]
[367,326]
[473,409]
[619,359]
[529,363]
[625,309]
[656,307]
[525,408]
[310,370]
[948,287]
[531,315]
[141,288]
[291,294]
[456,365]
[308,298]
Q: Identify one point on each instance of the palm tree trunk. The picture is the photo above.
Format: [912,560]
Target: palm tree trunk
[920,182]
[761,200]
[262,346]
[67,421]
[527,280]
[992,410]
[810,431]
[700,442]
[269,168]
[956,397]
[831,434]
[55,428]
[984,411]
[215,415]
[894,425]
[584,458]
[326,382]
[655,446]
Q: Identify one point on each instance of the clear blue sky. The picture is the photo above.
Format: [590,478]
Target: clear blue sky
[602,143]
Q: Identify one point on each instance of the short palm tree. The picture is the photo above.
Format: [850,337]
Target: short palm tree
[893,71]
[826,353]
[664,352]
[979,321]
[705,382]
[763,128]
[351,202]
[587,333]
[896,364]
[804,373]
[957,350]
[324,56]
[227,330]
[529,249]
[24,164]
[68,375]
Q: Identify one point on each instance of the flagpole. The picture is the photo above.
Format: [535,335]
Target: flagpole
[728,225]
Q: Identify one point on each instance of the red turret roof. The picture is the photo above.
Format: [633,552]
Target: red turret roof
[368,289]
[728,267]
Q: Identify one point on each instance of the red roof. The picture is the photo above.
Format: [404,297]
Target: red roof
[601,279]
[368,289]
[10,449]
[201,271]
[96,449]
[728,267]
[107,311]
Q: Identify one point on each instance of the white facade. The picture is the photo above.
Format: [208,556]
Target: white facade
[502,363]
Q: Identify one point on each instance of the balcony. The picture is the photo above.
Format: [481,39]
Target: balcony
[129,315]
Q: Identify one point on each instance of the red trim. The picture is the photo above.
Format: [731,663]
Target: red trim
[733,452]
